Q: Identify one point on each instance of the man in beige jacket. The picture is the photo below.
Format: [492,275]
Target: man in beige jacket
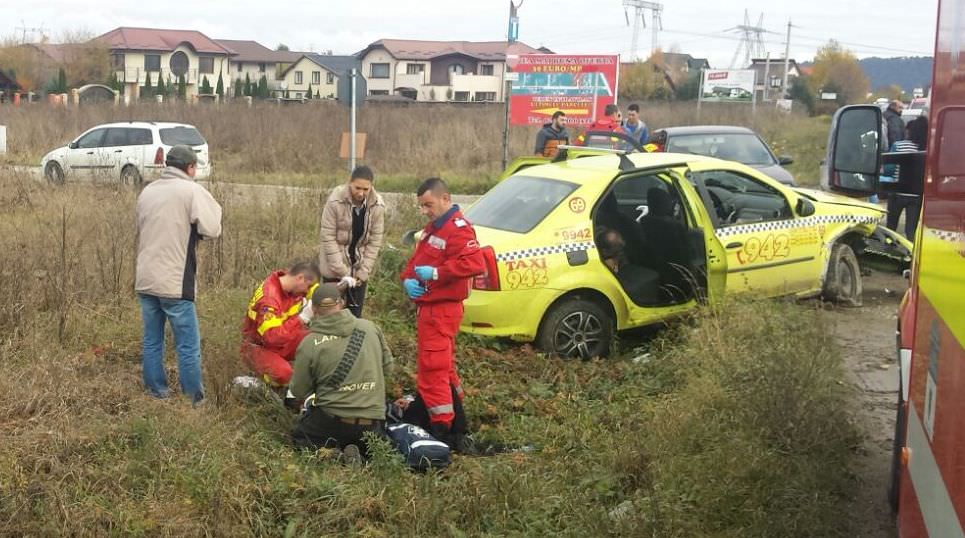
[353,223]
[173,214]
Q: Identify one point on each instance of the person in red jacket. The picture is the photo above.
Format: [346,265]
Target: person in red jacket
[609,122]
[273,328]
[438,278]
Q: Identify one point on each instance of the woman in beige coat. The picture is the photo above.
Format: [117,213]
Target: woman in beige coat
[353,224]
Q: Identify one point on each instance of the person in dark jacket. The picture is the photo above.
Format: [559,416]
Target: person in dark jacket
[896,127]
[911,179]
[552,135]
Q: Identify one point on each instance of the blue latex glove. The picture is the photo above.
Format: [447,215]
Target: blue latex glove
[425,272]
[413,289]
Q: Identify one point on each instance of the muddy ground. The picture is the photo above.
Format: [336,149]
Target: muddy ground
[867,338]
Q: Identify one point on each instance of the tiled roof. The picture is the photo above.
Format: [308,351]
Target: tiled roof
[155,39]
[410,49]
[253,51]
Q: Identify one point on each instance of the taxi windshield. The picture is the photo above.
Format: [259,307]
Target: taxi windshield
[519,203]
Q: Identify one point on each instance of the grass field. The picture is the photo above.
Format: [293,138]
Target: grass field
[732,423]
[299,144]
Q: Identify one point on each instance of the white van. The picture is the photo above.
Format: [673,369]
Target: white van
[129,152]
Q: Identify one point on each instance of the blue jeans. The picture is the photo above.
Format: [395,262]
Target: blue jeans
[187,340]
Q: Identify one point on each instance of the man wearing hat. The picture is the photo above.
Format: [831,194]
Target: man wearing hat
[340,371]
[173,214]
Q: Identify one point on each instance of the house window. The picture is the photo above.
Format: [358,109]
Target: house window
[152,62]
[378,92]
[261,67]
[206,64]
[379,71]
[316,77]
[415,69]
[117,62]
[239,66]
[457,69]
[487,70]
[329,78]
[775,82]
[485,96]
[298,77]
[461,96]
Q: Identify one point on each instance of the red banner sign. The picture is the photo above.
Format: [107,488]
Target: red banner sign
[581,86]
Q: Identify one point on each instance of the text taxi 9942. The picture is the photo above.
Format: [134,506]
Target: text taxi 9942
[581,247]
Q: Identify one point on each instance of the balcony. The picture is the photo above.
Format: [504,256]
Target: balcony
[137,75]
[476,83]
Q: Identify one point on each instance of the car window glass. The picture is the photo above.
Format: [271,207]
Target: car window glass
[519,203]
[139,137]
[116,136]
[634,198]
[739,199]
[91,139]
[744,148]
[173,136]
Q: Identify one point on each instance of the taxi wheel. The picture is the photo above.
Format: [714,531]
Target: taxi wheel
[842,283]
[576,327]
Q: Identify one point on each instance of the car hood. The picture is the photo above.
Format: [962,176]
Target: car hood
[57,151]
[775,172]
[836,199]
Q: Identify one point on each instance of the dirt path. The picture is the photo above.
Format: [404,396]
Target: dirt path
[867,337]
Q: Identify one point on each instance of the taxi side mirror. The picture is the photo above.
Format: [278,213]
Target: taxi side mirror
[804,207]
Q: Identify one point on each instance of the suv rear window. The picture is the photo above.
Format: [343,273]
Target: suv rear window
[519,203]
[172,136]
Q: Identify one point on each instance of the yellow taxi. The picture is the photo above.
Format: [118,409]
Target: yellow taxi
[582,247]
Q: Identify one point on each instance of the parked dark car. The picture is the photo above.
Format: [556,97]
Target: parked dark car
[726,142]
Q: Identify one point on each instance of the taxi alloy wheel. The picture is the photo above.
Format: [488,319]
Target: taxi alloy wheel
[576,328]
[842,283]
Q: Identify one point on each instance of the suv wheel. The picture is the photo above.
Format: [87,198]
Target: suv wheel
[130,175]
[842,284]
[54,173]
[576,327]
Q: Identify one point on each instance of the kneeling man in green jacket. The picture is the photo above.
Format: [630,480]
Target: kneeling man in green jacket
[340,370]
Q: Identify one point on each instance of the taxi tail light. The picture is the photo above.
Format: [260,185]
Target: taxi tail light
[489,279]
[159,156]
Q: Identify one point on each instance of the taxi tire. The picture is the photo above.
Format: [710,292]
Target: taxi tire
[583,314]
[842,283]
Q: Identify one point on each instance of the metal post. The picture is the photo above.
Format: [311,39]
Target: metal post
[351,160]
[767,78]
[787,52]
[507,92]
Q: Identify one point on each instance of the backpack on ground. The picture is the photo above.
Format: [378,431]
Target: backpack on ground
[420,449]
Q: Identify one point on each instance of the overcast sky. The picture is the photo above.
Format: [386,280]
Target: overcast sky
[698,27]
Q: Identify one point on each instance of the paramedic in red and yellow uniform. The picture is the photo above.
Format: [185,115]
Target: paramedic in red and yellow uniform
[273,328]
[437,278]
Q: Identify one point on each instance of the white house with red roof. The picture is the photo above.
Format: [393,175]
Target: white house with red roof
[439,70]
[137,53]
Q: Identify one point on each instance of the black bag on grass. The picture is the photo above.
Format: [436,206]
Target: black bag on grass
[421,450]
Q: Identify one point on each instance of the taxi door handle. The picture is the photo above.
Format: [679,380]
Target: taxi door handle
[735,244]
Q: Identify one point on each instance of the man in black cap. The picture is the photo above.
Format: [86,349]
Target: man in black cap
[173,214]
[340,372]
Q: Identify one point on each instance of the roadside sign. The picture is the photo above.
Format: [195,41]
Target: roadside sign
[728,85]
[579,85]
[511,76]
[345,89]
[829,96]
[344,149]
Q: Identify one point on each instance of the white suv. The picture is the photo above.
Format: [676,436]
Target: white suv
[131,152]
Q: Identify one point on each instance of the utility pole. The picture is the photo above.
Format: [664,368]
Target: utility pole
[639,20]
[512,33]
[787,61]
[767,77]
[351,162]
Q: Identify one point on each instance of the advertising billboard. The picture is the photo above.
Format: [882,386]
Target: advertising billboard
[728,85]
[579,85]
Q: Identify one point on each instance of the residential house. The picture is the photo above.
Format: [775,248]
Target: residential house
[254,60]
[7,86]
[137,53]
[318,72]
[770,77]
[438,70]
[683,63]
